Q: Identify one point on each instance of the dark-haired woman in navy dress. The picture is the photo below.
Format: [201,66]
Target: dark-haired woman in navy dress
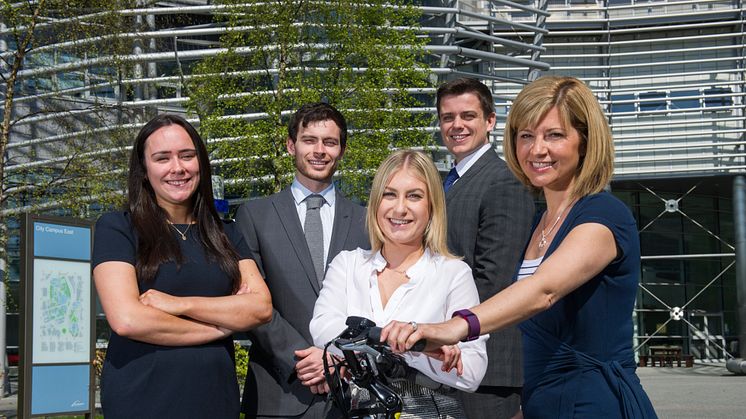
[175,282]
[576,288]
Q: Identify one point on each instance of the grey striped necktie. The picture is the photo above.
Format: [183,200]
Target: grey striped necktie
[314,232]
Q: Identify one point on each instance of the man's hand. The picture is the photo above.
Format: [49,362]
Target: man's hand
[310,369]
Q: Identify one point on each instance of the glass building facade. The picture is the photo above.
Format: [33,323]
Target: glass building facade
[73,101]
[670,77]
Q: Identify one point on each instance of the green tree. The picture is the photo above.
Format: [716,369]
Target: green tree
[363,57]
[59,141]
[55,155]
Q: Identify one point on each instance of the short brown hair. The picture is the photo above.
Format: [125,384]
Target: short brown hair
[578,108]
[467,85]
[316,112]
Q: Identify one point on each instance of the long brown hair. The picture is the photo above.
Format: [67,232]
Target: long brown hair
[151,222]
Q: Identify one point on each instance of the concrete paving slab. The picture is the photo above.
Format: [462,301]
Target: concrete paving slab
[704,391]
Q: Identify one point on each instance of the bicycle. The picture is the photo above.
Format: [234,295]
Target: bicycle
[370,365]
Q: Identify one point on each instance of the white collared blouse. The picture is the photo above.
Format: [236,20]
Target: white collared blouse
[438,286]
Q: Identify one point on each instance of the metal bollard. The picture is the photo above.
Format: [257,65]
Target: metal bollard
[736,366]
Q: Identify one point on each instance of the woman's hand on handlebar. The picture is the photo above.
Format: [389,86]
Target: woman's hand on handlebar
[401,336]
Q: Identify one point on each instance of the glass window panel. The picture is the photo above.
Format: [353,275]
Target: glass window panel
[668,332]
[689,99]
[622,103]
[660,242]
[730,328]
[662,271]
[718,96]
[648,101]
[662,295]
[710,300]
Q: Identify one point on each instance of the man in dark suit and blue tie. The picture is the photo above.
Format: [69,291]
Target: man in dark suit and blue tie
[489,219]
[293,235]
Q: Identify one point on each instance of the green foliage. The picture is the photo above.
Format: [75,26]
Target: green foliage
[360,56]
[84,162]
[242,362]
[84,165]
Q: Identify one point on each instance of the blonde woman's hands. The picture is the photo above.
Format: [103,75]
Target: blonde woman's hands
[450,356]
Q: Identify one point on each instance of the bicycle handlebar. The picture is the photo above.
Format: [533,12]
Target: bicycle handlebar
[371,365]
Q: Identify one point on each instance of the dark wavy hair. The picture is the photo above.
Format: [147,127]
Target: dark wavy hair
[150,220]
[315,112]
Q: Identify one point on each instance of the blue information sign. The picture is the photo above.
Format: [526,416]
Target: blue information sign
[60,388]
[62,241]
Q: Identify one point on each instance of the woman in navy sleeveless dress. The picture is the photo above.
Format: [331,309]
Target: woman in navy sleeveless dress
[576,287]
[174,283]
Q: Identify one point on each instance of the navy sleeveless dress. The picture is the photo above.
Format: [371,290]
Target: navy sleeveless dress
[578,358]
[142,380]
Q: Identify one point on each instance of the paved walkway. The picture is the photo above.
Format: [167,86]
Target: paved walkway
[705,391]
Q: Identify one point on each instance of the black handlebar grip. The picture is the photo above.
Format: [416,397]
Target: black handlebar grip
[374,335]
[419,346]
[374,338]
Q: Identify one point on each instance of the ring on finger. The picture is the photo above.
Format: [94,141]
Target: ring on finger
[414,325]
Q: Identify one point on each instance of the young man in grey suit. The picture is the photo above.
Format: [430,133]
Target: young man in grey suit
[489,219]
[293,235]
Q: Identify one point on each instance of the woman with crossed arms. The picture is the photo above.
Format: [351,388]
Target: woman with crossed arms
[175,282]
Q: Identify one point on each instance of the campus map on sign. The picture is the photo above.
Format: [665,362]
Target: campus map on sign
[61,305]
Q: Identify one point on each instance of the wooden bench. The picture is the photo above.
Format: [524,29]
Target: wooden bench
[666,360]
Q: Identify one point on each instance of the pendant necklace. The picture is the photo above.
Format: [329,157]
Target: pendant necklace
[183,235]
[543,239]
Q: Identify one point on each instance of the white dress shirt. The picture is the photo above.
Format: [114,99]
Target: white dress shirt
[300,193]
[468,161]
[438,286]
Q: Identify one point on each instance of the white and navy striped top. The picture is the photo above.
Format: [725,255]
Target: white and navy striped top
[528,267]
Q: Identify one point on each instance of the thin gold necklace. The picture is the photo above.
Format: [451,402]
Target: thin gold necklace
[402,272]
[183,235]
[543,239]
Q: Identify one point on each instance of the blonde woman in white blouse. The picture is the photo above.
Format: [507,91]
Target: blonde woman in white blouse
[408,274]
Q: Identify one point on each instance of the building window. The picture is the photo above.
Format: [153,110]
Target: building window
[652,101]
[718,96]
[622,103]
[689,99]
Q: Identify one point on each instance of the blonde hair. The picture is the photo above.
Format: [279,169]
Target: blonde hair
[578,108]
[422,167]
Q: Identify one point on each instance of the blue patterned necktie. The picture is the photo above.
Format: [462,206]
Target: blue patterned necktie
[314,232]
[450,179]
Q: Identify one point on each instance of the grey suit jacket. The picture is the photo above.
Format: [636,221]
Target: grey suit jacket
[275,236]
[489,221]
